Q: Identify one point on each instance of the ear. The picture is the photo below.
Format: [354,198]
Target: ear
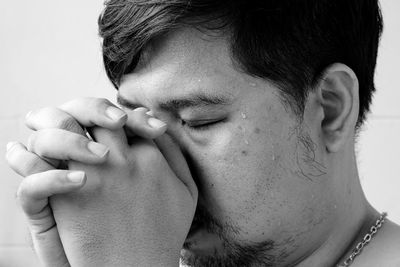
[338,93]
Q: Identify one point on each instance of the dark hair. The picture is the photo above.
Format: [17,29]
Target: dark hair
[289,42]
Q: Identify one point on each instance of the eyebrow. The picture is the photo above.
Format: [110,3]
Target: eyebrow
[175,105]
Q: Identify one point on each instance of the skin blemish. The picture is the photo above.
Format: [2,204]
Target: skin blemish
[253,84]
[244,153]
[243,116]
[257,130]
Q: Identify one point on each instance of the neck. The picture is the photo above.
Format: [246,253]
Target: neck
[354,217]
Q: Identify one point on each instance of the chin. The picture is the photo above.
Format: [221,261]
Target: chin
[203,248]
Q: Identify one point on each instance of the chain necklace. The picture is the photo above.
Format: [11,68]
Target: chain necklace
[367,238]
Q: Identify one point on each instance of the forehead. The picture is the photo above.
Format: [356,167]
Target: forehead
[182,62]
[186,49]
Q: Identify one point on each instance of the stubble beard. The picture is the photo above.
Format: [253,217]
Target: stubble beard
[230,253]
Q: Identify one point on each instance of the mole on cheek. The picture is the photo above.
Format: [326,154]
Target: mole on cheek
[244,153]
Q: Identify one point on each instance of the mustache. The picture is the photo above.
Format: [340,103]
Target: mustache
[205,220]
[202,217]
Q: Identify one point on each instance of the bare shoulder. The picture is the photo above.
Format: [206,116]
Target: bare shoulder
[384,248]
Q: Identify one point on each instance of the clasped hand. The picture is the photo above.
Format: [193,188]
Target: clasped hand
[121,201]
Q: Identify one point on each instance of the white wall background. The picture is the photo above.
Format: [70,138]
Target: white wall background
[50,53]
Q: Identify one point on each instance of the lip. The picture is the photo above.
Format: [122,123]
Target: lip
[201,242]
[193,230]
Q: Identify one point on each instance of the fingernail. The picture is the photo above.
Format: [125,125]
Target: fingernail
[150,113]
[115,113]
[97,149]
[76,177]
[156,123]
[10,145]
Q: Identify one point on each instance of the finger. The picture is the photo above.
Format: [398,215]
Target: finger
[63,145]
[51,117]
[90,111]
[177,162]
[24,162]
[141,122]
[53,162]
[116,140]
[34,190]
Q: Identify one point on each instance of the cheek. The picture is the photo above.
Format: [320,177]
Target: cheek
[250,180]
[239,169]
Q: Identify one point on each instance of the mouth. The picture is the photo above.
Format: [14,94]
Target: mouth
[203,225]
[194,228]
[201,241]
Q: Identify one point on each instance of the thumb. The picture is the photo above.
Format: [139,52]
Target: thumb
[177,162]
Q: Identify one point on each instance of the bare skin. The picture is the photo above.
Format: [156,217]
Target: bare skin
[262,175]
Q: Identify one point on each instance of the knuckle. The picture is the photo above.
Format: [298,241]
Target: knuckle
[45,113]
[40,141]
[11,155]
[77,145]
[25,198]
[14,164]
[68,123]
[33,166]
[24,162]
[21,193]
[80,142]
[101,102]
[20,162]
[79,150]
[33,141]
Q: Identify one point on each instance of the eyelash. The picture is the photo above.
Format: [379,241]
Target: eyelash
[202,127]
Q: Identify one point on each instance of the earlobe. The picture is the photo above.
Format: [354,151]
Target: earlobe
[339,98]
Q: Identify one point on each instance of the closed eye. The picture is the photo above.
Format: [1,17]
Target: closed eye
[202,125]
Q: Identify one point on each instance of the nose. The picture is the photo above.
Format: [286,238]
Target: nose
[174,135]
[177,161]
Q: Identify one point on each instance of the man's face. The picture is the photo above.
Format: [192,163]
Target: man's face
[264,196]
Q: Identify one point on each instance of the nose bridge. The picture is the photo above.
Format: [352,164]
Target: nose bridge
[172,140]
[175,135]
[170,145]
[149,89]
[179,141]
